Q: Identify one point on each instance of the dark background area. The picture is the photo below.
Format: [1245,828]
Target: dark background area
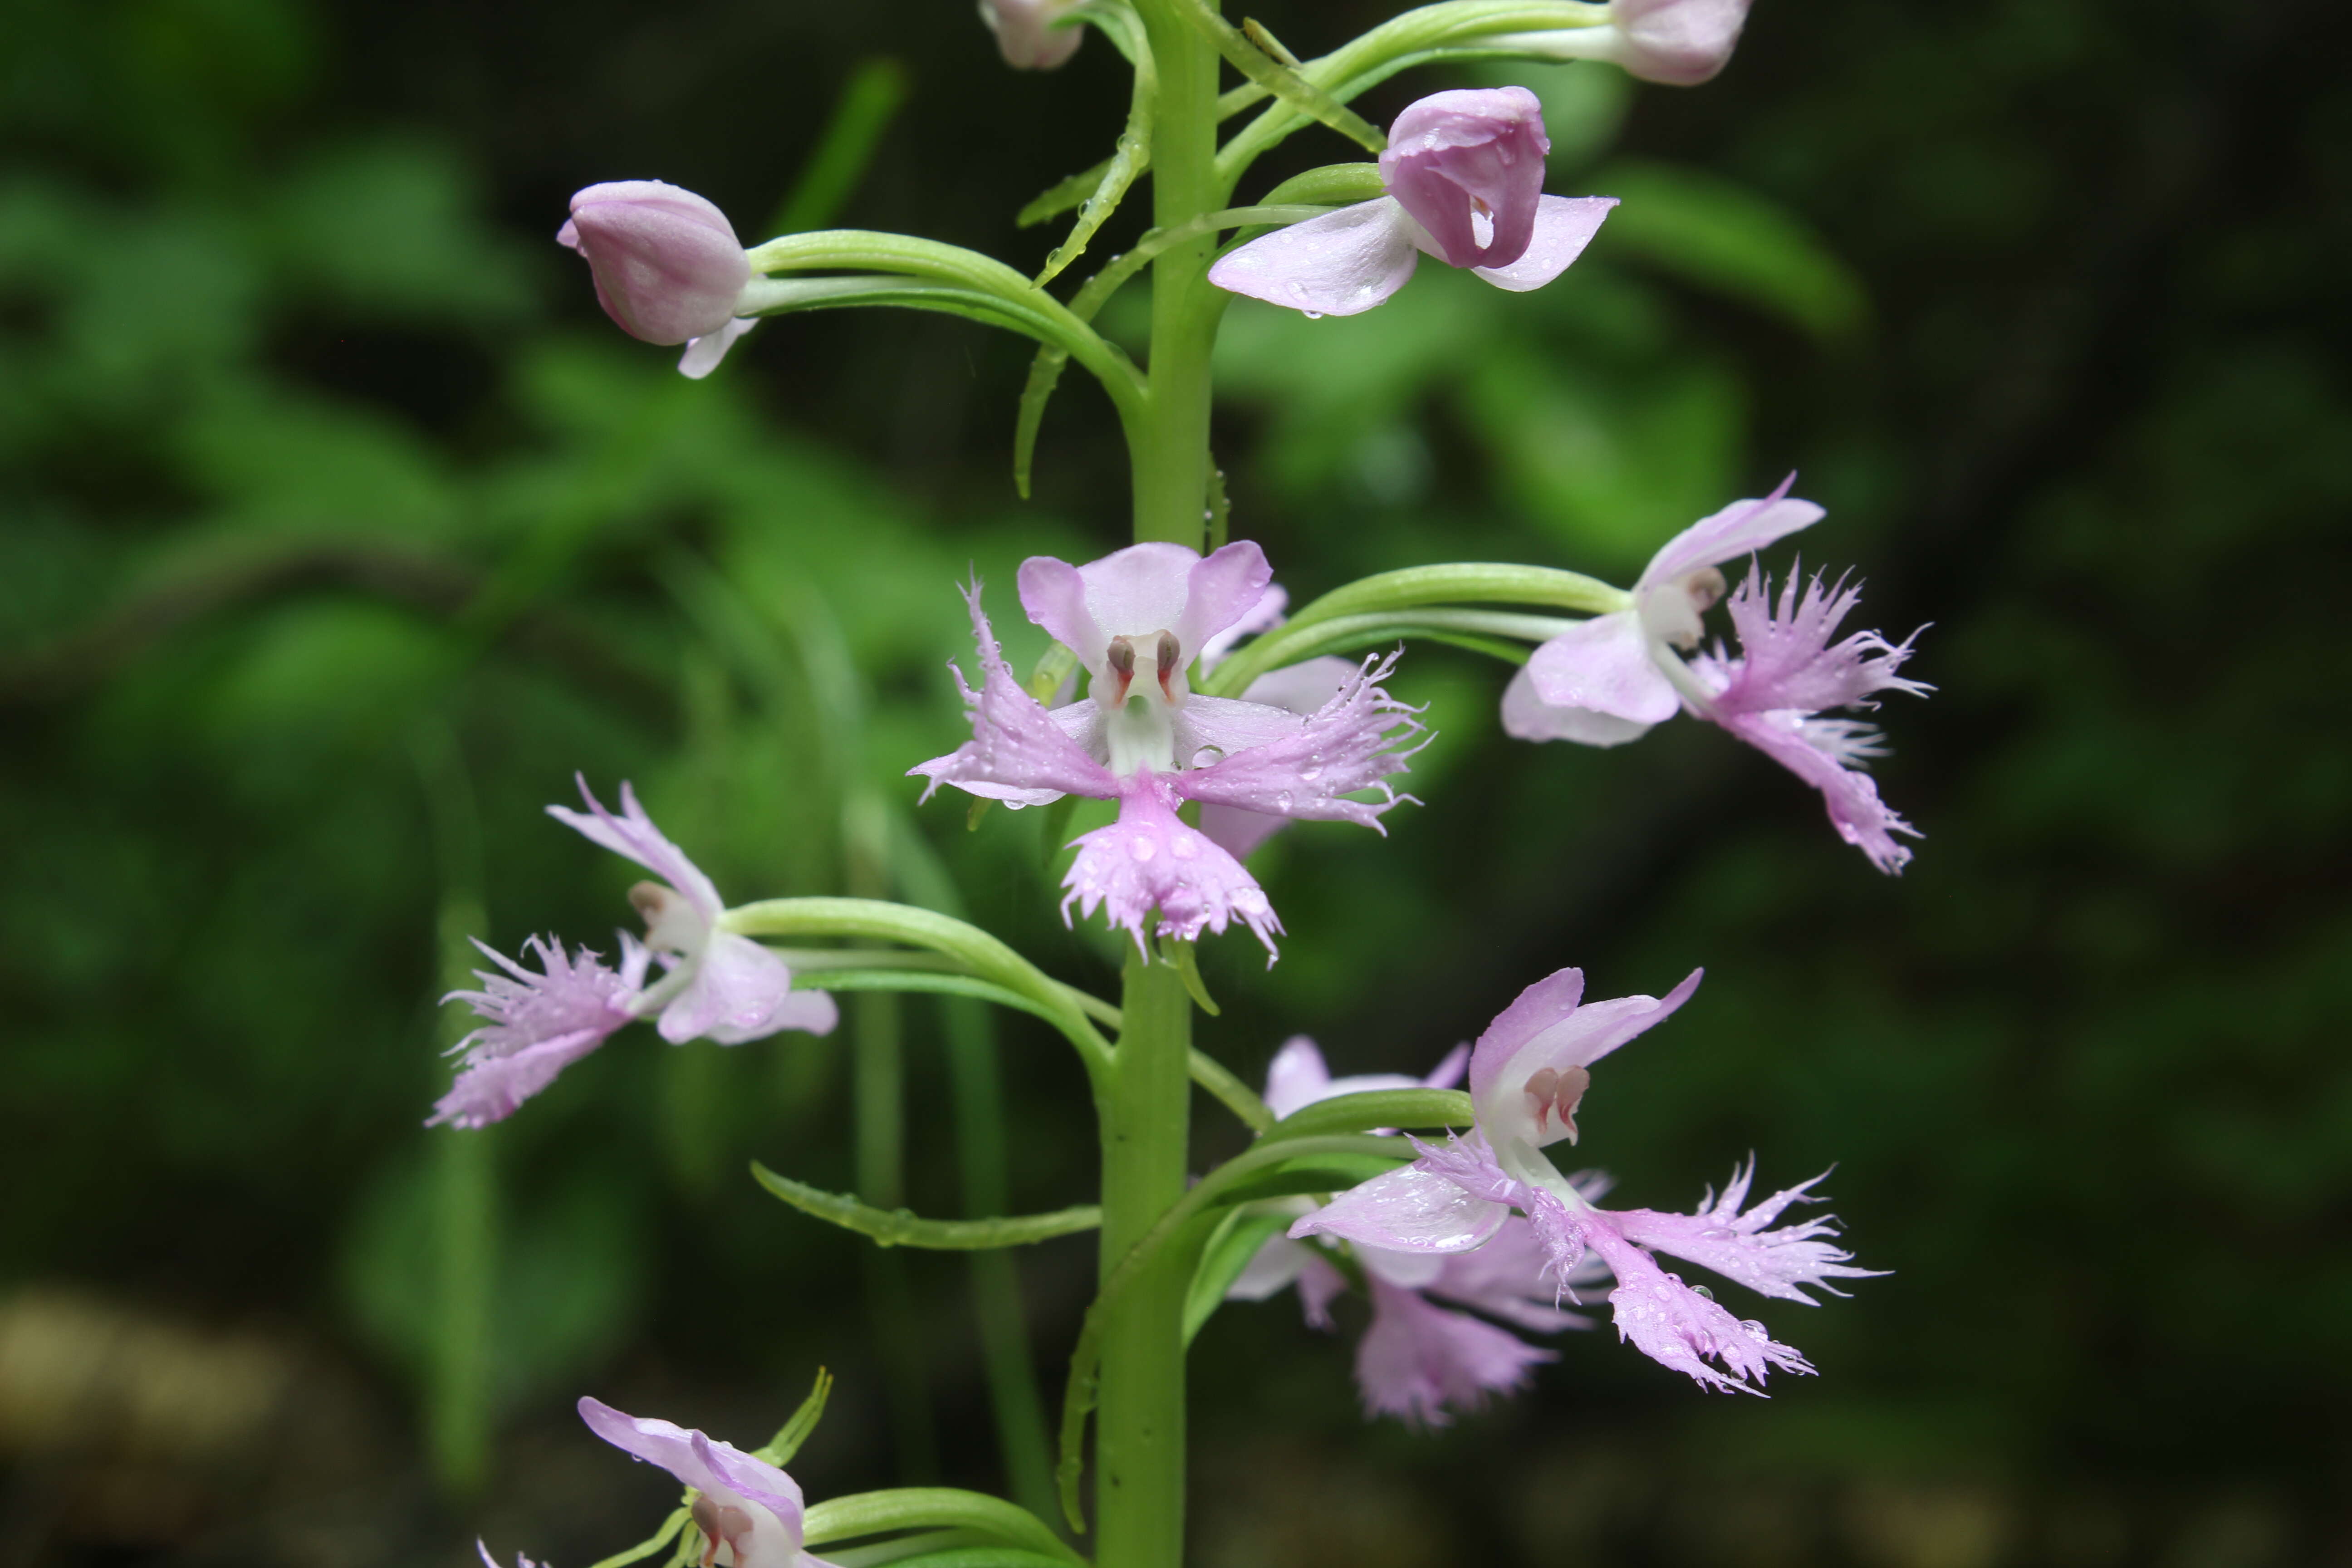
[339,528]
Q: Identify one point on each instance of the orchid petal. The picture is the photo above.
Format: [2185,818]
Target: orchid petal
[1419,1362]
[1604,665]
[1407,1210]
[703,353]
[1564,225]
[1528,717]
[1340,264]
[718,1470]
[739,992]
[634,835]
[1017,752]
[1741,529]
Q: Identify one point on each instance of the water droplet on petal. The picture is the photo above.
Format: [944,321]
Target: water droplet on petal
[1187,847]
[1703,1293]
[1142,848]
[1312,315]
[1282,800]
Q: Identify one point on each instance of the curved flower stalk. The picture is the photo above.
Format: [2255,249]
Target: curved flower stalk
[1677,43]
[746,1506]
[1138,620]
[1527,1074]
[1463,171]
[1027,34]
[719,986]
[1611,677]
[667,266]
[1418,1360]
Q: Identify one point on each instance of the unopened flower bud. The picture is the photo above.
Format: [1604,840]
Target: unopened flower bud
[667,262]
[1680,43]
[1025,33]
[1468,165]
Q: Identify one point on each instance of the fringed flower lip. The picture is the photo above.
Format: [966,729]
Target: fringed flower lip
[1463,171]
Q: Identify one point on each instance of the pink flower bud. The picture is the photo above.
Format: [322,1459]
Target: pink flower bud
[1025,33]
[1679,43]
[667,262]
[1469,167]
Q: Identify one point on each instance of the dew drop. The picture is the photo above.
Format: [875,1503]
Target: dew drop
[1282,800]
[1703,1293]
[1312,315]
[1186,848]
[1141,849]
[1310,775]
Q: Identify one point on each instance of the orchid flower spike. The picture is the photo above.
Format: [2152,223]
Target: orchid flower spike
[1138,620]
[1026,35]
[1464,172]
[719,986]
[1615,676]
[667,266]
[1677,43]
[1418,1360]
[746,1505]
[1527,1074]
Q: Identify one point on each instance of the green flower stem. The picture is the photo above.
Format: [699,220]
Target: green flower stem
[1485,631]
[1139,1440]
[1166,1253]
[932,1508]
[1391,593]
[979,953]
[1170,441]
[867,251]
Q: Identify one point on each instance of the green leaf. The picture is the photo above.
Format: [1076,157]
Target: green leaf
[1724,238]
[900,1227]
[1279,80]
[795,1432]
[648,1547]
[1133,153]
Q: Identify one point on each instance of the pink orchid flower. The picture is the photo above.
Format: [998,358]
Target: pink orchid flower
[748,1506]
[1527,1074]
[1138,620]
[1418,1360]
[667,266]
[719,986]
[1615,676]
[1463,171]
[1677,43]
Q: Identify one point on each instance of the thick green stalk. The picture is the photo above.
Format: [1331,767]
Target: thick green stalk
[1171,440]
[1139,1427]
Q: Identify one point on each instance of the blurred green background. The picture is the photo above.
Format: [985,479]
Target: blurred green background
[339,528]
